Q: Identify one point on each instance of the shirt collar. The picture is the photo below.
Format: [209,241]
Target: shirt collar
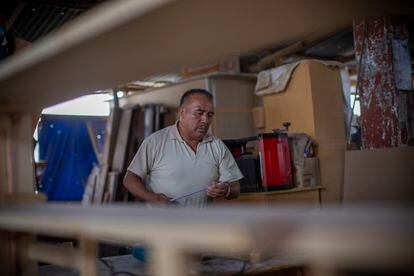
[174,134]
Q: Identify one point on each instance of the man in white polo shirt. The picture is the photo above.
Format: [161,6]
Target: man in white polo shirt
[184,158]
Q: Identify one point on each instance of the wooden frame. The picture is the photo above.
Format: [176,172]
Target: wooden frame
[352,235]
[131,36]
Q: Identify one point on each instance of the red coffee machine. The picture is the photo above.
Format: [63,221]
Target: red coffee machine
[275,161]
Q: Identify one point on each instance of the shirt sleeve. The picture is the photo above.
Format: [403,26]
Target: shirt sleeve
[228,169]
[143,160]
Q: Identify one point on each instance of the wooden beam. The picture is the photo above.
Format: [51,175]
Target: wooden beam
[122,41]
[276,58]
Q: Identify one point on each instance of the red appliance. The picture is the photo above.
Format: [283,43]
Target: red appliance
[275,161]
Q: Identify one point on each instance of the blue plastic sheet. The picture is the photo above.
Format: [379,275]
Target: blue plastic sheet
[65,144]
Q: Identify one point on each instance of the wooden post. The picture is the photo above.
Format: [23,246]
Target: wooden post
[25,265]
[382,57]
[167,259]
[88,251]
[7,260]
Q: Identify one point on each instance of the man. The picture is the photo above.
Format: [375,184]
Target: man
[184,158]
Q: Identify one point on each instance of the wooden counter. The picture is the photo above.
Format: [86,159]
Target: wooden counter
[308,195]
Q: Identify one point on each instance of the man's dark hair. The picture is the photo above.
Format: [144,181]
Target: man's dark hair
[194,91]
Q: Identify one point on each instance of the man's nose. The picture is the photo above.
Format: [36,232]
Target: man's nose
[205,118]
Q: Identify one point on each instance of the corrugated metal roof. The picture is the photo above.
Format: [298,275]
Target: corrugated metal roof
[37,18]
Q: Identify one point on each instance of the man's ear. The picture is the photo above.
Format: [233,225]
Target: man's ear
[181,112]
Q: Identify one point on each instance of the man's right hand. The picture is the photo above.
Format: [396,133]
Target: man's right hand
[159,198]
[134,184]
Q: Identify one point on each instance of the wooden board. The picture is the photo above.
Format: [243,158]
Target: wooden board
[122,139]
[111,132]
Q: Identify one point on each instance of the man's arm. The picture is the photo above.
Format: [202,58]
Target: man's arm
[134,184]
[229,190]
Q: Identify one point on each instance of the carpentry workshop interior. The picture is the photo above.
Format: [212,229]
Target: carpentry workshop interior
[165,137]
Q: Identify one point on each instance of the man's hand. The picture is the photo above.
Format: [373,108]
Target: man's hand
[217,189]
[159,199]
[134,184]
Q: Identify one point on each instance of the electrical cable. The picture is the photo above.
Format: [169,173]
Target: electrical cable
[243,269]
[112,269]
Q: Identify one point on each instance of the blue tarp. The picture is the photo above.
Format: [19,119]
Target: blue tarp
[65,144]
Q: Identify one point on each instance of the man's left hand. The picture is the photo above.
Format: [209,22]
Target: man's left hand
[217,189]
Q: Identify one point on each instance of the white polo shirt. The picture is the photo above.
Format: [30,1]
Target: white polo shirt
[169,166]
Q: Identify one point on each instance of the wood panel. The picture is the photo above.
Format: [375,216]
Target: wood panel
[382,175]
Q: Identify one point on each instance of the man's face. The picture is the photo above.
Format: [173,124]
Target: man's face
[196,115]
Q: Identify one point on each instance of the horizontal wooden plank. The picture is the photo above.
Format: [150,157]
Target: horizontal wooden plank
[351,234]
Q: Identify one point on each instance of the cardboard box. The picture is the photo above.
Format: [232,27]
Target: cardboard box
[307,175]
[258,117]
